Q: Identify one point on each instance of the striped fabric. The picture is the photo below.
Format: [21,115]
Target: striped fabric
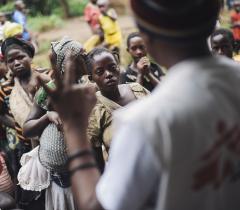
[5,91]
[6,184]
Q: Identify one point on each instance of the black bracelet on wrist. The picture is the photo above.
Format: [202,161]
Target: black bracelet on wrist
[82,167]
[79,154]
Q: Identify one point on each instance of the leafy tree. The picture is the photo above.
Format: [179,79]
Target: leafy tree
[65,7]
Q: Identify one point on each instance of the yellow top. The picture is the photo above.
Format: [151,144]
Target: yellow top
[236,58]
[111,30]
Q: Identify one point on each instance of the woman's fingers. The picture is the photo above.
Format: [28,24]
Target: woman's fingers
[70,76]
[90,94]
[59,124]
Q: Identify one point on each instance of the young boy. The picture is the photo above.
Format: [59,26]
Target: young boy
[141,70]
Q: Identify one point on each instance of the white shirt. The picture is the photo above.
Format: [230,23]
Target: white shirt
[163,143]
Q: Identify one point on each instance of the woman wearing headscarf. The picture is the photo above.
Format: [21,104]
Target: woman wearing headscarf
[17,96]
[43,119]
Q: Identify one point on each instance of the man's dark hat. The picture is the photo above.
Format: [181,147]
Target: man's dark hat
[177,18]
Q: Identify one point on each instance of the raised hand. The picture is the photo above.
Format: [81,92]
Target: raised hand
[72,101]
[143,66]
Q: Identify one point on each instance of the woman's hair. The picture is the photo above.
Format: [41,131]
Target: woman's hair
[98,51]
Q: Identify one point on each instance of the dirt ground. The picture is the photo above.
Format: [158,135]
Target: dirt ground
[77,29]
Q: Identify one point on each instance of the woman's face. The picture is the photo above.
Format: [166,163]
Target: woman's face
[105,71]
[19,62]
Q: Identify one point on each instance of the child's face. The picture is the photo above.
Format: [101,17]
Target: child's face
[103,8]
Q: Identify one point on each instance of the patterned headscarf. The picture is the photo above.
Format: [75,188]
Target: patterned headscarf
[64,47]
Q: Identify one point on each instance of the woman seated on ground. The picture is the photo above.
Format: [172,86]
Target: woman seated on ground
[105,72]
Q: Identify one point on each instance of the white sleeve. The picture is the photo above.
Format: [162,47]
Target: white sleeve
[131,175]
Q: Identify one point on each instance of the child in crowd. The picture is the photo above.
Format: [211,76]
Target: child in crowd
[110,28]
[91,15]
[141,70]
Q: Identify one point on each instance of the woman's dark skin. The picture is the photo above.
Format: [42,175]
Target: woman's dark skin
[39,118]
[141,64]
[19,62]
[106,74]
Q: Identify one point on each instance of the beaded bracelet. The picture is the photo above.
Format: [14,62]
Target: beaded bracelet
[79,154]
[82,167]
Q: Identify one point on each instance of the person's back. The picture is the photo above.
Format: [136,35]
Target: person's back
[191,126]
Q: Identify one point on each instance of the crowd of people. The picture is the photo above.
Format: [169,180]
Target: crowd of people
[162,133]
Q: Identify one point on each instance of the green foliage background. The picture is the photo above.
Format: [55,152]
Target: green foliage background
[44,15]
[47,7]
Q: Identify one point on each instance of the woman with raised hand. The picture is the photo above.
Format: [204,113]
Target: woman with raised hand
[111,96]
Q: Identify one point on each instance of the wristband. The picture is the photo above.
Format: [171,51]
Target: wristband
[79,154]
[82,167]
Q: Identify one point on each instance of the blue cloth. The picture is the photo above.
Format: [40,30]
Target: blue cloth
[229,4]
[20,17]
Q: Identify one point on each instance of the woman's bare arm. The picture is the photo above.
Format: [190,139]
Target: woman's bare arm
[36,122]
[75,112]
